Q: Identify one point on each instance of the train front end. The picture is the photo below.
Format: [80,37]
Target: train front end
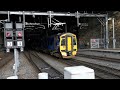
[68,45]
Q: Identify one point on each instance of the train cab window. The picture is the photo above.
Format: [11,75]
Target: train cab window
[74,41]
[63,36]
[63,42]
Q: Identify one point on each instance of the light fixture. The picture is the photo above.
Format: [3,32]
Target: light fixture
[109,18]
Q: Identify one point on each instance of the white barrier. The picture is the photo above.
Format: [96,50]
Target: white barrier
[13,77]
[14,67]
[78,72]
[43,76]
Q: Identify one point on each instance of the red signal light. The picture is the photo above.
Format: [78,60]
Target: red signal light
[19,34]
[8,34]
[93,40]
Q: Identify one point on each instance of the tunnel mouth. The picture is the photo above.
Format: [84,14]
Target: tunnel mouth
[34,33]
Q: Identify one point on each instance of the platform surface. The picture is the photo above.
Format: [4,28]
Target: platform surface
[101,50]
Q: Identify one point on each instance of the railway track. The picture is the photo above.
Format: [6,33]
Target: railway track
[42,66]
[100,58]
[101,71]
[73,64]
[28,56]
[69,63]
[5,60]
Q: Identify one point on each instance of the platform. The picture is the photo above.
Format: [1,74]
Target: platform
[102,50]
[110,53]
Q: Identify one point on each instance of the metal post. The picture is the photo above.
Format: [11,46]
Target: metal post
[23,20]
[104,37]
[78,24]
[101,32]
[19,18]
[50,17]
[65,28]
[107,37]
[113,22]
[16,60]
[78,18]
[48,21]
[8,16]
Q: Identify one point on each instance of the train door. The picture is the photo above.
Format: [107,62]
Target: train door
[69,43]
[63,44]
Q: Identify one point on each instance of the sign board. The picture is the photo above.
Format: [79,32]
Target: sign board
[8,26]
[19,25]
[19,43]
[94,43]
[9,44]
[83,24]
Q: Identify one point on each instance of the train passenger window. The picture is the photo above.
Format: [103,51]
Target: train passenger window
[74,42]
[63,42]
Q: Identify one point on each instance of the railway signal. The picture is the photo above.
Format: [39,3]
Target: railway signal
[8,36]
[19,36]
[13,37]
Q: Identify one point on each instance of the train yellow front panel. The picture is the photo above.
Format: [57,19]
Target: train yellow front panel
[62,47]
[69,43]
[75,47]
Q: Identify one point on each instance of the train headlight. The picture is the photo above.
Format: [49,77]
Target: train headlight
[64,54]
[74,53]
[74,49]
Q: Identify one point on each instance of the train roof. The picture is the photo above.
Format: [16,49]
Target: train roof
[65,33]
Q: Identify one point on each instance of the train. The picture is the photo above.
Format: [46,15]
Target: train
[61,45]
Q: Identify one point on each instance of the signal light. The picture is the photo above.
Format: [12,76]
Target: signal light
[8,34]
[19,34]
[93,40]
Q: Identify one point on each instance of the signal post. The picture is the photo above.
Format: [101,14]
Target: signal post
[14,39]
[8,36]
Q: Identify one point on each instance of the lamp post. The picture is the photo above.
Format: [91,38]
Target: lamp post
[114,40]
[113,25]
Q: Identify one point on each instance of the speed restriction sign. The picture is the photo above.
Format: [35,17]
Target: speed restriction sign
[19,43]
[9,44]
